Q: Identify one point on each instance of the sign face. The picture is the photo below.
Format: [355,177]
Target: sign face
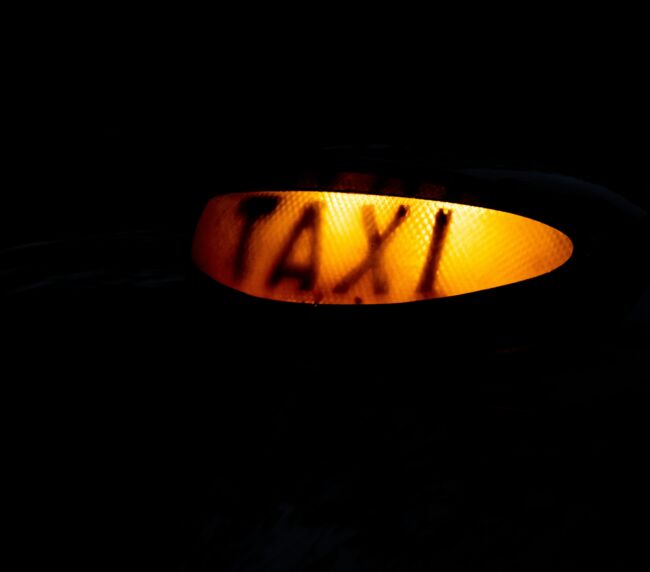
[345,248]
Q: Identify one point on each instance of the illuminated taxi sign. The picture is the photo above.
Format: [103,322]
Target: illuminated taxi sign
[346,248]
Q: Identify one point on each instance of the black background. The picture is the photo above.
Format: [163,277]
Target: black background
[146,432]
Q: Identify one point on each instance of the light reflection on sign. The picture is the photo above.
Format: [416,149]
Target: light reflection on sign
[347,248]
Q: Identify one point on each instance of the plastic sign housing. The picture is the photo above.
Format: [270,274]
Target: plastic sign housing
[329,247]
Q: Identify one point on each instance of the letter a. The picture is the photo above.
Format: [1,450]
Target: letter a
[306,274]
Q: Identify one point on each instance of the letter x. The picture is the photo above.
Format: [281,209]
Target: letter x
[377,243]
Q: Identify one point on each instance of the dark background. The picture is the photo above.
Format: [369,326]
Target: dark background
[148,432]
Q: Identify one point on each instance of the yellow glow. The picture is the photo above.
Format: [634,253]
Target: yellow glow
[346,248]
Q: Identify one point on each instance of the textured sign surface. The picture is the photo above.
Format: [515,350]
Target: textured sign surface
[347,248]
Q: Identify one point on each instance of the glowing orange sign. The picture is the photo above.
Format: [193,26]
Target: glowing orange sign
[346,248]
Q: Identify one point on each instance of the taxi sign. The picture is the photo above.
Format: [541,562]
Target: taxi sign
[327,247]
